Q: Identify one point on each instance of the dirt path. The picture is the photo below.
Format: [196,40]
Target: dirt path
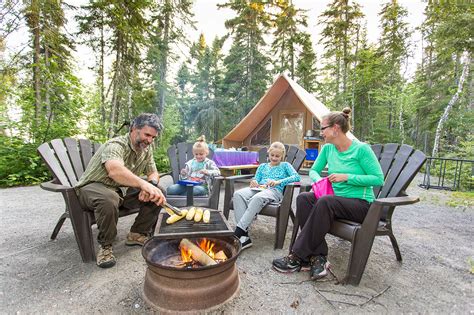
[38,275]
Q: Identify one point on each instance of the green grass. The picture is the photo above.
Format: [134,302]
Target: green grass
[461,199]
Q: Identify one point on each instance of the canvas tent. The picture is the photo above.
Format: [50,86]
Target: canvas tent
[284,113]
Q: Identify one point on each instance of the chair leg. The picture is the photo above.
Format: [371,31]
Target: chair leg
[360,251]
[85,240]
[81,224]
[395,246]
[280,232]
[58,226]
[296,228]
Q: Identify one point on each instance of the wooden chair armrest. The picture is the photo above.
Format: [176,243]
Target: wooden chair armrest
[371,221]
[229,179]
[51,186]
[397,201]
[305,187]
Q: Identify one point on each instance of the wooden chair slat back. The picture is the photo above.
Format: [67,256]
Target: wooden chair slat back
[86,151]
[291,153]
[377,148]
[53,164]
[399,162]
[386,158]
[96,146]
[262,155]
[414,164]
[75,156]
[67,158]
[173,159]
[298,159]
[62,154]
[185,153]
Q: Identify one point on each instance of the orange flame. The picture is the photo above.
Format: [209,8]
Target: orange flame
[186,255]
[207,246]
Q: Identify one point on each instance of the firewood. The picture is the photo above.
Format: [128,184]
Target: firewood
[196,253]
[220,255]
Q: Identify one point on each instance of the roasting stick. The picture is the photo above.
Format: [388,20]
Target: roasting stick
[173,208]
[198,254]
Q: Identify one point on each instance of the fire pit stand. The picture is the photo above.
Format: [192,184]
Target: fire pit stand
[169,288]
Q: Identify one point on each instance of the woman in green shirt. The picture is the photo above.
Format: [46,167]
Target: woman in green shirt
[353,171]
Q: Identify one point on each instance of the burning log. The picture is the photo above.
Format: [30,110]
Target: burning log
[197,254]
[220,255]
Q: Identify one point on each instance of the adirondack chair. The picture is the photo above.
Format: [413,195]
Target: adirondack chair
[281,211]
[178,155]
[67,159]
[400,164]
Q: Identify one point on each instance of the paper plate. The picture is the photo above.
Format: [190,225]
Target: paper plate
[188,182]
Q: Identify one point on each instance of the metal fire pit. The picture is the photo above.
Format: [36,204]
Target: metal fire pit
[169,288]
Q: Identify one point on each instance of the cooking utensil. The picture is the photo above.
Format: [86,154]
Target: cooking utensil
[172,208]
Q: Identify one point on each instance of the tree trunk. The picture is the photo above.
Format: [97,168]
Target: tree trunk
[33,23]
[354,78]
[115,89]
[161,97]
[47,102]
[101,72]
[453,100]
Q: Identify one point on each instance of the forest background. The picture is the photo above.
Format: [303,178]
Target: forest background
[145,60]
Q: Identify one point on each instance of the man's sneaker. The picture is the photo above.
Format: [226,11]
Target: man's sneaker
[319,267]
[105,257]
[245,242]
[290,263]
[136,239]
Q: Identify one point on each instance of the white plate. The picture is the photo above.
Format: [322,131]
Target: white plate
[258,189]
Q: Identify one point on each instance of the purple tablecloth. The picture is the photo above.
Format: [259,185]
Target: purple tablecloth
[229,158]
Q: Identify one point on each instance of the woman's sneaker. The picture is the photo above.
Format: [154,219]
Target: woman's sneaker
[290,263]
[245,242]
[319,267]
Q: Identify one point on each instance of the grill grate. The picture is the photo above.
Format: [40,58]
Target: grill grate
[217,225]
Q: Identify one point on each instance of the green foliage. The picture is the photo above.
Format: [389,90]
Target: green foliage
[461,199]
[172,128]
[246,66]
[20,164]
[135,44]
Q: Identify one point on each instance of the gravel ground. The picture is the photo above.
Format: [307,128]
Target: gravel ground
[42,276]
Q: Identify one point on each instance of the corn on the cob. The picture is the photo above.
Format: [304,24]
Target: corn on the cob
[206,216]
[174,217]
[191,213]
[198,215]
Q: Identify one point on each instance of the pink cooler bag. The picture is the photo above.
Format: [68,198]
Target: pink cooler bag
[322,187]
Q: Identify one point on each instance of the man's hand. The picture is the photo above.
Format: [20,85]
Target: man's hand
[204,171]
[150,193]
[253,183]
[338,178]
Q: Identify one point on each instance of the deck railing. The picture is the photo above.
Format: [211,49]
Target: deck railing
[449,174]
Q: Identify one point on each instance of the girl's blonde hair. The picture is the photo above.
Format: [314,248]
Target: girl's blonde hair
[277,146]
[201,144]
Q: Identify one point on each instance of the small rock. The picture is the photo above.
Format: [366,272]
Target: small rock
[295,304]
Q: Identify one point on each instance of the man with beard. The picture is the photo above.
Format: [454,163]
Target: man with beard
[112,180]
